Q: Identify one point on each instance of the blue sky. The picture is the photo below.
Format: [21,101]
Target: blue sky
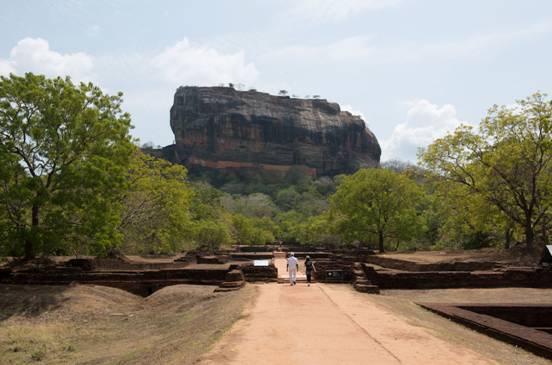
[413,69]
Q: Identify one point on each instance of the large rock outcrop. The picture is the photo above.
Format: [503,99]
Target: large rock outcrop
[223,128]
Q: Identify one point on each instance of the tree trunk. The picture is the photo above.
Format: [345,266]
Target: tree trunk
[508,238]
[29,241]
[529,233]
[29,249]
[380,241]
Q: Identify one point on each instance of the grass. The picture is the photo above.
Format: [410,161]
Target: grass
[81,326]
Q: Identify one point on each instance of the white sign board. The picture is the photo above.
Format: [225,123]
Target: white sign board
[261,262]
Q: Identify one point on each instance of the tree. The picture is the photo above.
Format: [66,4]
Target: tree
[211,234]
[64,151]
[508,162]
[465,220]
[319,230]
[210,221]
[377,203]
[396,165]
[287,198]
[156,215]
[298,177]
[253,230]
[292,226]
[252,205]
[206,202]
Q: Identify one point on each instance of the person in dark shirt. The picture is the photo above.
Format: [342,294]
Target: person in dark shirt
[309,268]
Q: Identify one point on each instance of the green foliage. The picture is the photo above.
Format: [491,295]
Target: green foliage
[211,234]
[64,150]
[253,230]
[211,226]
[463,220]
[298,177]
[288,198]
[156,216]
[252,205]
[292,227]
[377,204]
[320,230]
[206,202]
[72,182]
[508,163]
[309,203]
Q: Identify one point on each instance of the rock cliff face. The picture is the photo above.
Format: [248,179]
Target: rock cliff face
[222,128]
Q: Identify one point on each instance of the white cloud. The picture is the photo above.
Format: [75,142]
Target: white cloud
[35,55]
[6,67]
[147,79]
[424,123]
[186,63]
[331,11]
[182,63]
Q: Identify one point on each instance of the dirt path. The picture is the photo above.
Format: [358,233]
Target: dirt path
[329,324]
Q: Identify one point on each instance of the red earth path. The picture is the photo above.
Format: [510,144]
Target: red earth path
[329,324]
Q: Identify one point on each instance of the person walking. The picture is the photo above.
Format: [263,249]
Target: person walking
[309,268]
[292,267]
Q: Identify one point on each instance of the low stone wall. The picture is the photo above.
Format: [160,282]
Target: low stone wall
[212,259]
[141,282]
[259,273]
[531,337]
[267,248]
[302,248]
[252,256]
[529,315]
[315,255]
[122,263]
[334,271]
[361,282]
[405,265]
[511,277]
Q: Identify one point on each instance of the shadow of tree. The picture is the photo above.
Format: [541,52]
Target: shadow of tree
[29,300]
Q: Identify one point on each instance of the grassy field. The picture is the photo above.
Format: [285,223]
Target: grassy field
[86,324]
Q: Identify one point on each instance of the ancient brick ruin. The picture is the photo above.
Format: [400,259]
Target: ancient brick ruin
[522,325]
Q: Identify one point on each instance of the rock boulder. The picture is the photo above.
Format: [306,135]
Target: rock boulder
[222,128]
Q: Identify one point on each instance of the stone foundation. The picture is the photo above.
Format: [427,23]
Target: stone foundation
[138,281]
[524,325]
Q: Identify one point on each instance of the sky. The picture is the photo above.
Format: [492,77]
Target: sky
[413,69]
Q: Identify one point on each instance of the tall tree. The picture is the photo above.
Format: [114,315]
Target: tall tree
[64,150]
[508,161]
[466,220]
[377,203]
[156,207]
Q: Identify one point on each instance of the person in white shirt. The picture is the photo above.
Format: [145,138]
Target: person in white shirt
[292,267]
